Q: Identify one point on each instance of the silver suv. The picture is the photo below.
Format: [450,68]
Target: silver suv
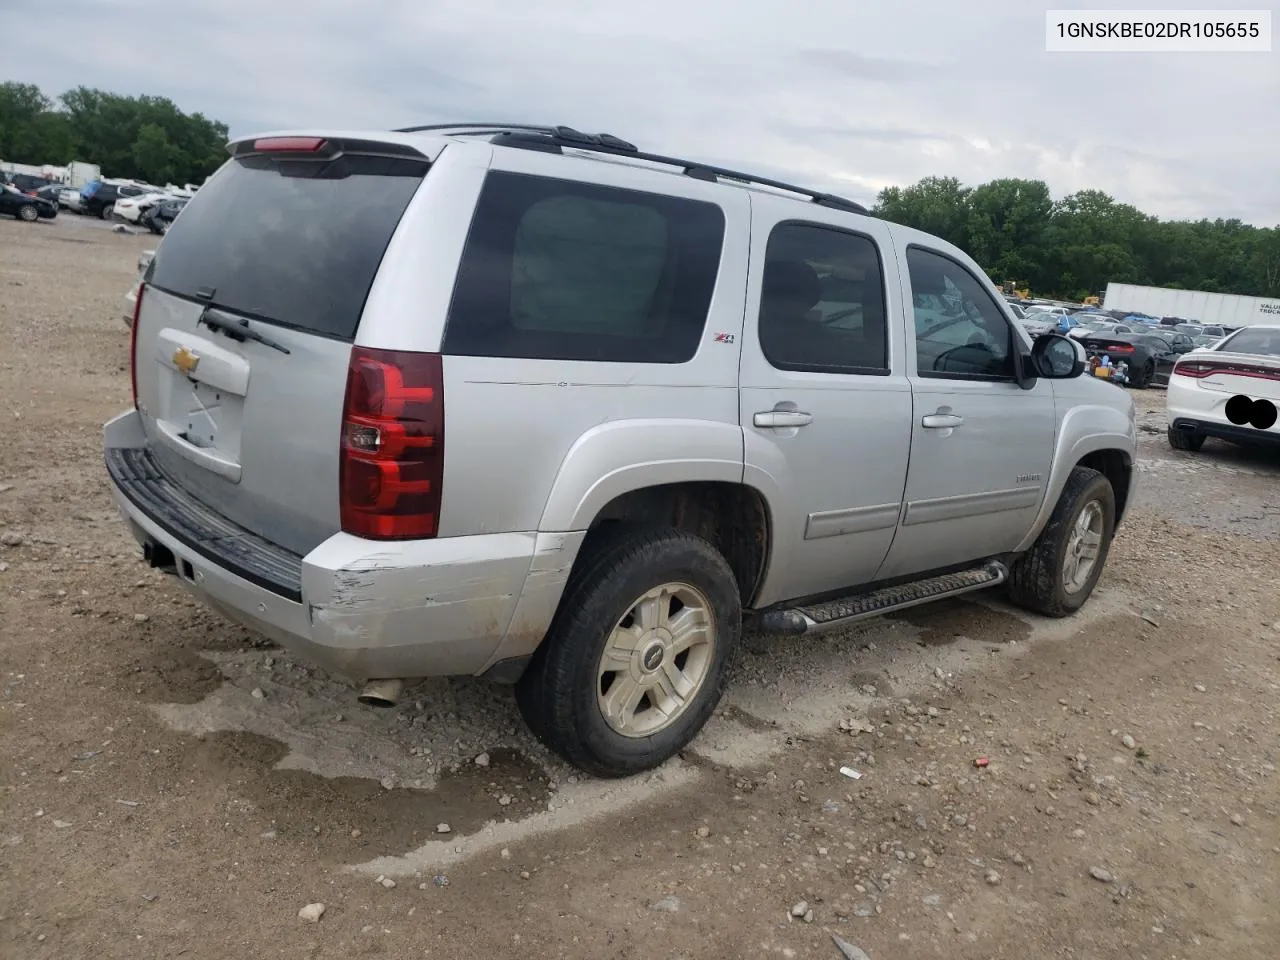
[534,405]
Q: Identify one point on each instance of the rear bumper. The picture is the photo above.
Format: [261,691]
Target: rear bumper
[1228,431]
[360,608]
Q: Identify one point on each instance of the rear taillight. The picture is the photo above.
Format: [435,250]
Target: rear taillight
[392,458]
[1199,369]
[133,343]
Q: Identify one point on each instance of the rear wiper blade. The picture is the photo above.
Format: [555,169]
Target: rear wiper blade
[237,329]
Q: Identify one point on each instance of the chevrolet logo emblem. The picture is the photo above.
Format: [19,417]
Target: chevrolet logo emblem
[185,360]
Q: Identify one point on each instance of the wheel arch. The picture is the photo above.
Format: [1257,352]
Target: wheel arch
[733,517]
[1110,450]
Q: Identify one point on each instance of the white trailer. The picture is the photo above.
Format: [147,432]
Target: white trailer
[82,173]
[1198,306]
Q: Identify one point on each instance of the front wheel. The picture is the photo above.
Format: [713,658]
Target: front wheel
[1057,575]
[28,213]
[638,655]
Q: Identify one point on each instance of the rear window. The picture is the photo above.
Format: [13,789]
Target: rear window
[562,270]
[292,242]
[1259,342]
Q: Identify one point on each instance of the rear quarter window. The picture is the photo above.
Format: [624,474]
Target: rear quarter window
[562,270]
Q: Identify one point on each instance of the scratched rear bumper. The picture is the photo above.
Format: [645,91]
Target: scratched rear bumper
[368,609]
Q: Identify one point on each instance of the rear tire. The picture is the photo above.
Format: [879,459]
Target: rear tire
[29,214]
[105,213]
[633,602]
[1143,380]
[1050,579]
[1182,439]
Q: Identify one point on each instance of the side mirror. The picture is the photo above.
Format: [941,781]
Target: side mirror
[1056,357]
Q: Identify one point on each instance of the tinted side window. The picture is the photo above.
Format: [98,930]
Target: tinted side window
[562,270]
[822,302]
[960,332]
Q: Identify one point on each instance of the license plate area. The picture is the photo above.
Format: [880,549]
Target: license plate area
[201,397]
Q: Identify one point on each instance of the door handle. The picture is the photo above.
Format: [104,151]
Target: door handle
[782,418]
[941,421]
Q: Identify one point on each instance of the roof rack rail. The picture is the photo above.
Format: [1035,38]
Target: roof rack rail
[476,129]
[553,139]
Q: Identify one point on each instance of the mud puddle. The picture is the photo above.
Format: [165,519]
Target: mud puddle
[353,818]
[949,621]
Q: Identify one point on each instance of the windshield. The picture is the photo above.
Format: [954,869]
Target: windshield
[1261,342]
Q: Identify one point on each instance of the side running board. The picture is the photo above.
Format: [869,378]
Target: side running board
[812,618]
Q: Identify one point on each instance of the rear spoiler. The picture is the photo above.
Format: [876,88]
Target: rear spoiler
[298,147]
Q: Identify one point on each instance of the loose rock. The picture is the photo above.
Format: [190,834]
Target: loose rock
[257,693]
[993,878]
[443,828]
[482,760]
[800,909]
[848,950]
[311,913]
[1101,874]
[1128,741]
[668,904]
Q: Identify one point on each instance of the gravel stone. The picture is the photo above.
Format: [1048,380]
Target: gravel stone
[311,913]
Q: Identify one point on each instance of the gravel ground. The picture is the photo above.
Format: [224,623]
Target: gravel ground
[173,786]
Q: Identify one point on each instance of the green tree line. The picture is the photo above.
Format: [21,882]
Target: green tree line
[140,138]
[1073,247]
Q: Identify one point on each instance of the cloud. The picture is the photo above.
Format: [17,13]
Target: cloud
[847,97]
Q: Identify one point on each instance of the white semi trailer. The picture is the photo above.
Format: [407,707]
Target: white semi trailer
[1198,306]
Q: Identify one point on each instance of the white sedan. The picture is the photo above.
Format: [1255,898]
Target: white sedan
[131,208]
[1228,390]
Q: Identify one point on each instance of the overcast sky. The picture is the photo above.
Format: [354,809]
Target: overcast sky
[849,96]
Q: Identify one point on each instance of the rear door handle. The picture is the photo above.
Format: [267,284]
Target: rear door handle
[941,421]
[782,418]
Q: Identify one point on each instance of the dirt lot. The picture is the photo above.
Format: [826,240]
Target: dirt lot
[173,787]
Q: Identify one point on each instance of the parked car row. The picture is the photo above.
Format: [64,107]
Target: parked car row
[1148,352]
[1064,318]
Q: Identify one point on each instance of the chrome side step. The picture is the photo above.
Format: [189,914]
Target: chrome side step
[816,617]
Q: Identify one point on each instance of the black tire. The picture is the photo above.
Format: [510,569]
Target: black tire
[1036,580]
[1183,439]
[557,694]
[1143,380]
[105,212]
[28,213]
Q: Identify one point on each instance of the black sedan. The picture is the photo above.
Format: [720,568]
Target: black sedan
[1149,356]
[15,203]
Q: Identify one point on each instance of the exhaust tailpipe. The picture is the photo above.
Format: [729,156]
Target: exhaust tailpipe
[381,693]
